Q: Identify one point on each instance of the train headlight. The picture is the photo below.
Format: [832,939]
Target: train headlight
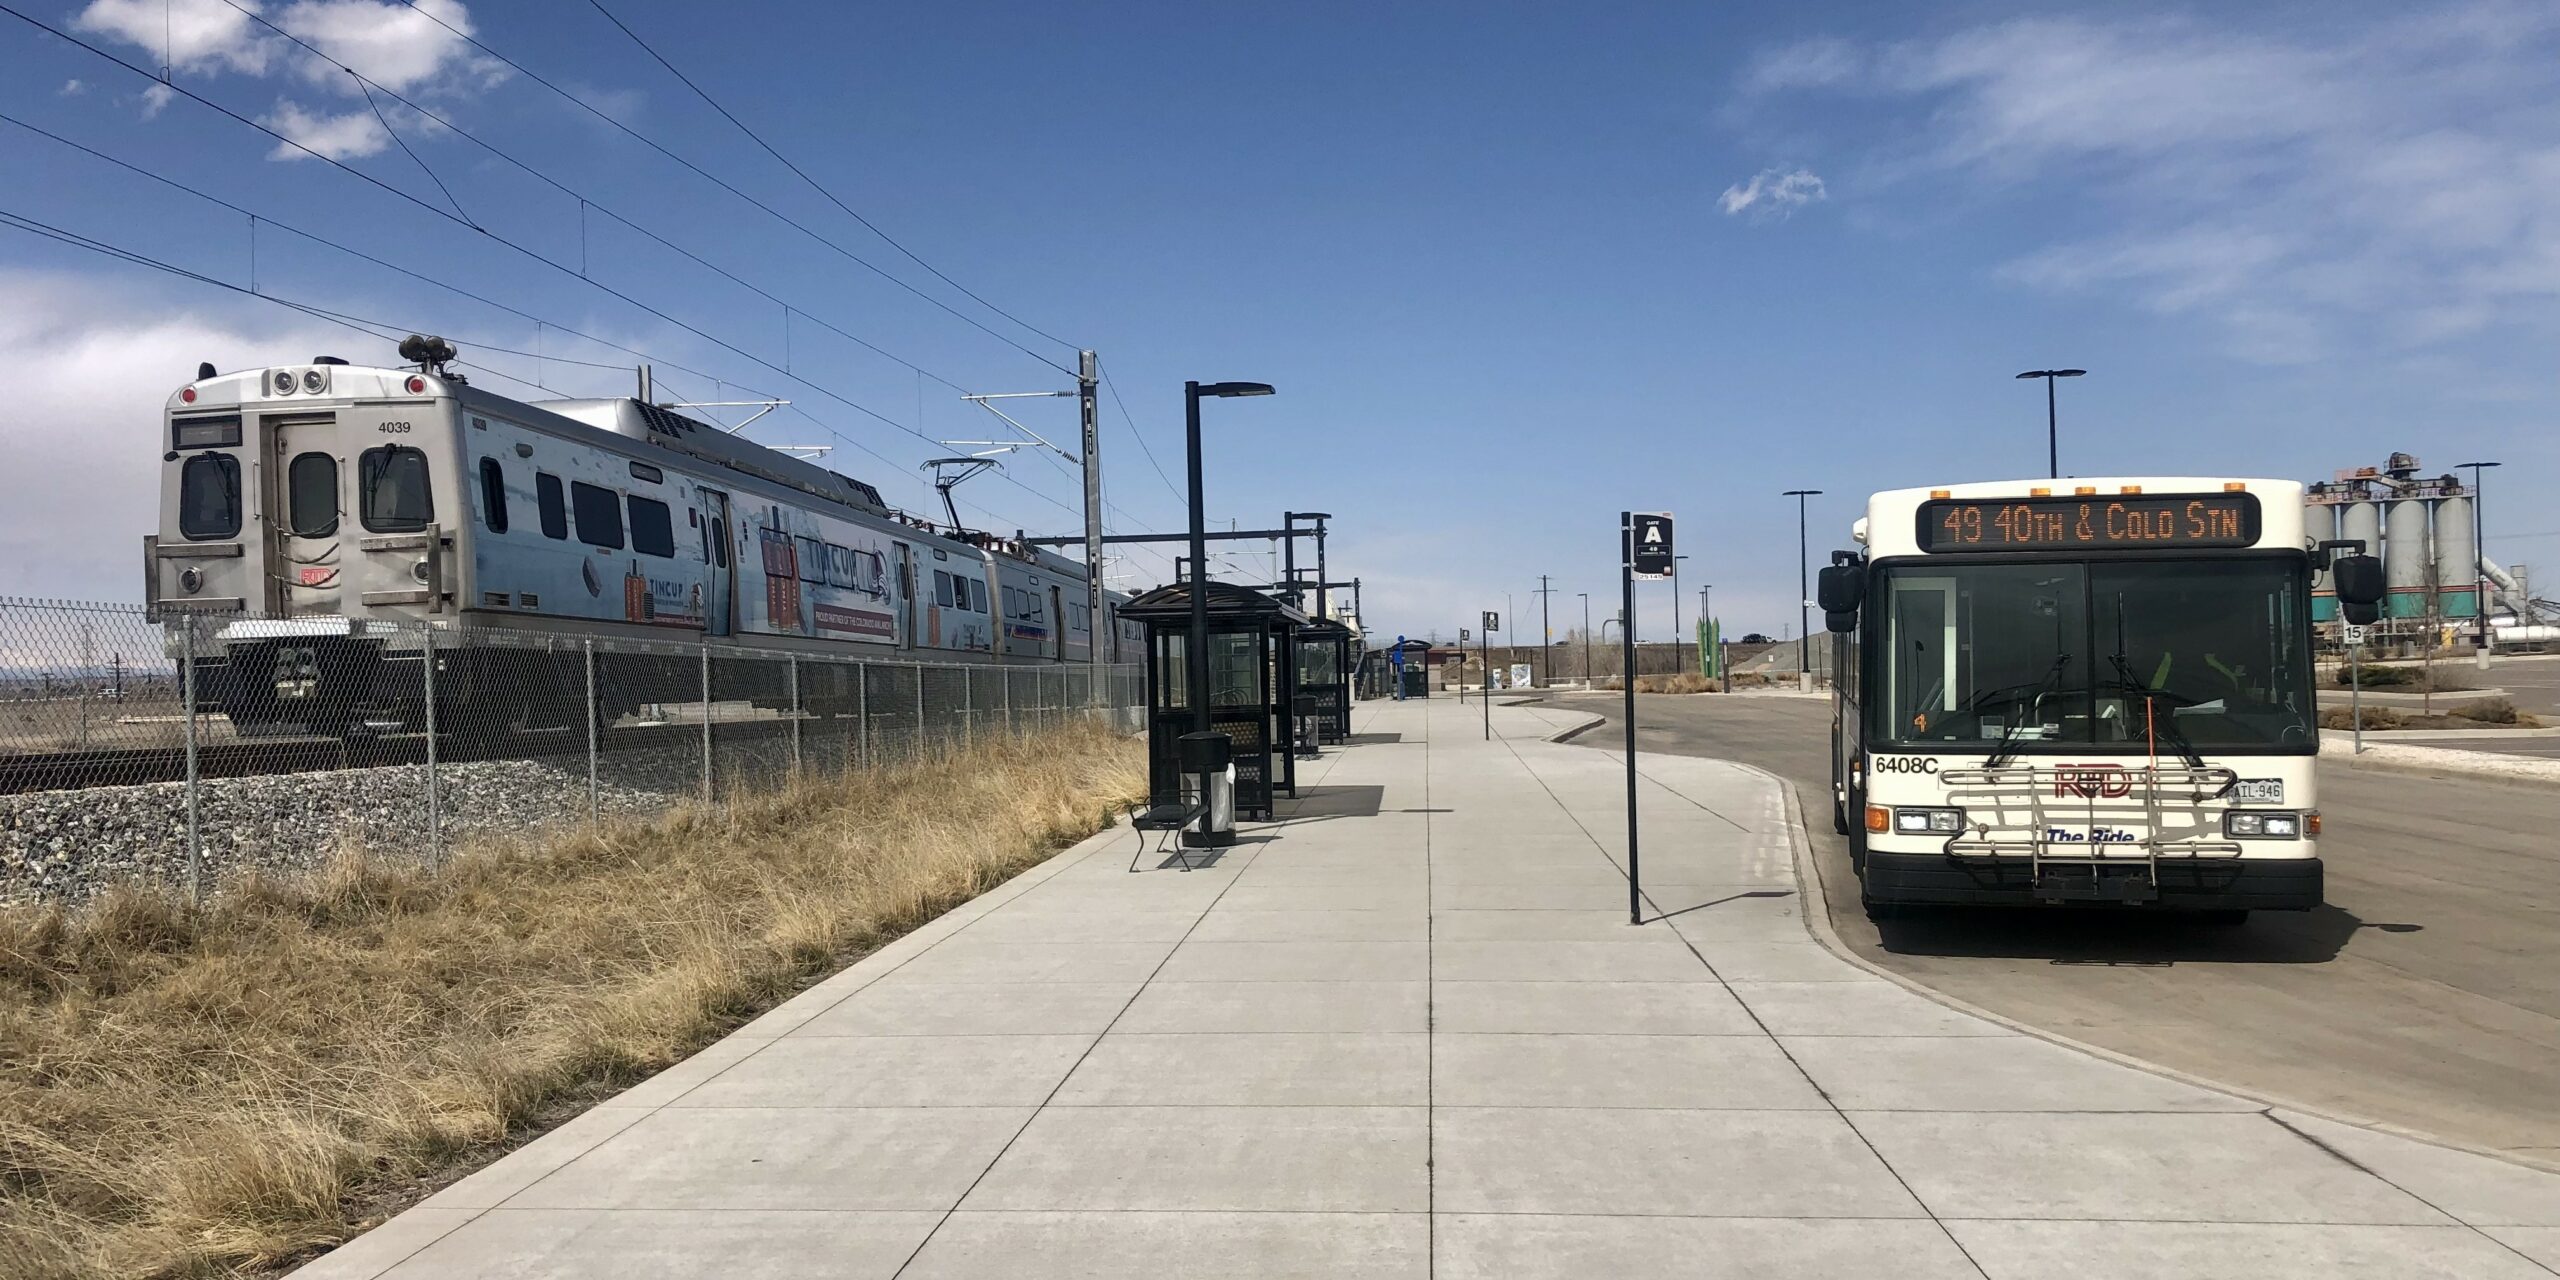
[419,572]
[314,381]
[1943,822]
[282,382]
[191,579]
[2254,824]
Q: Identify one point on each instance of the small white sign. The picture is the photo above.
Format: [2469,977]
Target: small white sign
[1521,677]
[2352,633]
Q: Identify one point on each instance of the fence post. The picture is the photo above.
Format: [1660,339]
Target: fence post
[706,723]
[195,835]
[1009,725]
[595,728]
[435,801]
[918,669]
[795,715]
[862,713]
[969,703]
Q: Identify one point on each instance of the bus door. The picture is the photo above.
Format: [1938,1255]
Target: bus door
[906,595]
[307,572]
[1057,624]
[719,567]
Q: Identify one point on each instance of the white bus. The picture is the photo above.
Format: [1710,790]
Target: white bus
[2078,692]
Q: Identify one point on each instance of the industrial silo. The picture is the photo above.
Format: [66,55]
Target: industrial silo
[2362,521]
[2457,558]
[2406,562]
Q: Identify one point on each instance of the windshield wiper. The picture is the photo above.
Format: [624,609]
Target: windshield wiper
[2009,736]
[2177,737]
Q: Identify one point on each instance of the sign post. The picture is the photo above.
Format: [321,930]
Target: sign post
[1644,551]
[1484,654]
[2355,680]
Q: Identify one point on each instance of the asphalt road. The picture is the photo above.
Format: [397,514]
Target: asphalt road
[2426,995]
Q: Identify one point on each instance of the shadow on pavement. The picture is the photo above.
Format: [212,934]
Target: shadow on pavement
[2127,937]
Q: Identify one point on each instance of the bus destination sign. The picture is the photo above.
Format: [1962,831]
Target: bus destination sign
[2124,522]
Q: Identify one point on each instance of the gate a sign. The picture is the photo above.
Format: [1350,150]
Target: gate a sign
[1650,534]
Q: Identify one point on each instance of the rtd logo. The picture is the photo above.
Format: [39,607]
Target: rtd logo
[2091,781]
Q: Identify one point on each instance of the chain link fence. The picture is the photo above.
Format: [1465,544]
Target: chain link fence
[193,748]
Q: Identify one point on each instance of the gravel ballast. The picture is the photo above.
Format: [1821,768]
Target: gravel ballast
[68,846]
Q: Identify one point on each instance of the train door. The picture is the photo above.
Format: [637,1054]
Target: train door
[1057,623]
[306,487]
[719,569]
[906,596]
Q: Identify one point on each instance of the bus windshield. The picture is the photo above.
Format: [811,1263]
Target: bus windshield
[2056,655]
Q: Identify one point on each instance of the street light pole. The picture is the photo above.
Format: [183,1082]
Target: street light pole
[1804,642]
[2052,440]
[1196,650]
[2480,556]
[1706,625]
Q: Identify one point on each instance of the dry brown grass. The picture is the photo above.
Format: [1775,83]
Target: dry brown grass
[223,1092]
[1680,682]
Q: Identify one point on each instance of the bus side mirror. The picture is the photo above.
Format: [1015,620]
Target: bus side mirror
[2358,581]
[1842,588]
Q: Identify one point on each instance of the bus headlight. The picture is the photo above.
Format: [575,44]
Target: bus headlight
[2253,824]
[1943,822]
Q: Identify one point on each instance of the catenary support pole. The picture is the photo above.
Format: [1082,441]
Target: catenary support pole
[1627,639]
[1088,378]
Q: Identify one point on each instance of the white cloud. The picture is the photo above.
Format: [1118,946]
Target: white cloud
[2304,189]
[1773,193]
[92,362]
[156,99]
[398,46]
[336,136]
[72,89]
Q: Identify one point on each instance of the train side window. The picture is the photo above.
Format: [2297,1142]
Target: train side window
[942,588]
[653,528]
[599,515]
[209,497]
[391,490]
[719,542]
[493,495]
[813,560]
[311,495]
[555,511]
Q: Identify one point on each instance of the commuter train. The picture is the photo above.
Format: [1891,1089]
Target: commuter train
[303,505]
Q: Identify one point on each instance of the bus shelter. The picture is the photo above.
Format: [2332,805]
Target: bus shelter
[1324,676]
[1250,688]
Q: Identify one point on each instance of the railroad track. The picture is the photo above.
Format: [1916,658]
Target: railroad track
[132,766]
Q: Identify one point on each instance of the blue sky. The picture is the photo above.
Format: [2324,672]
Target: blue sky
[1513,267]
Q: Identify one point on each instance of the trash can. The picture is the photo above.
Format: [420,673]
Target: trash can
[1417,680]
[1209,777]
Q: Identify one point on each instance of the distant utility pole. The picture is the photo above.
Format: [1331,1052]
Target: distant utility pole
[1546,635]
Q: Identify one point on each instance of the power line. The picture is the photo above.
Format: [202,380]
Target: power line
[1123,403]
[814,184]
[494,237]
[725,185]
[585,202]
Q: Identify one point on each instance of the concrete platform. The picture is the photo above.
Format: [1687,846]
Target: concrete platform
[1409,1031]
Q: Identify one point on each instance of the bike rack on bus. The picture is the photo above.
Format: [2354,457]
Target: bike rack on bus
[2081,874]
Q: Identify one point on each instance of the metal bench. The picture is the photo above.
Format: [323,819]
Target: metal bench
[1168,820]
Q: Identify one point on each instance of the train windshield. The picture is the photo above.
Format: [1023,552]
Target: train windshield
[2198,654]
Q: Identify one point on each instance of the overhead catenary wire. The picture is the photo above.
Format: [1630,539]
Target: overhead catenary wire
[814,184]
[587,202]
[496,238]
[725,185]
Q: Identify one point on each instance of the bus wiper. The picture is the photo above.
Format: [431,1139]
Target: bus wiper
[2177,737]
[2009,736]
